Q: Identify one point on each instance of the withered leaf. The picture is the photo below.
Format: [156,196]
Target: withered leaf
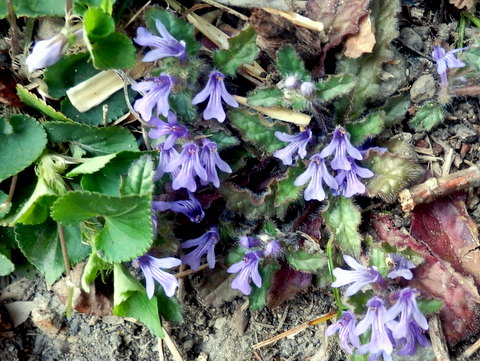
[469,4]
[286,284]
[361,43]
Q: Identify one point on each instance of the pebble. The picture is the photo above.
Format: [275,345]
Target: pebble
[423,88]
[411,39]
[465,133]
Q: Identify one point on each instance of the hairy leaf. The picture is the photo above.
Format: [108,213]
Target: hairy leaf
[368,127]
[33,101]
[269,97]
[286,191]
[290,64]
[428,116]
[306,262]
[335,86]
[286,283]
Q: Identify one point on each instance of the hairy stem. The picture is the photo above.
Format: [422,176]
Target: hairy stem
[66,262]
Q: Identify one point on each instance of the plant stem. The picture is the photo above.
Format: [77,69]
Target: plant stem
[14,29]
[461,30]
[66,262]
[336,292]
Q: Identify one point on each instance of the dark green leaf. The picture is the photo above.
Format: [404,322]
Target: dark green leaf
[428,116]
[289,63]
[22,140]
[33,101]
[97,24]
[270,97]
[223,140]
[335,86]
[370,126]
[395,110]
[95,141]
[169,307]
[287,191]
[5,205]
[91,165]
[177,27]
[139,179]
[127,232]
[39,8]
[242,50]
[116,51]
[6,266]
[258,297]
[306,262]
[41,246]
[182,105]
[235,255]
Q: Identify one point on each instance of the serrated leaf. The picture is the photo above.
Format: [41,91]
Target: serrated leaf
[91,165]
[127,232]
[223,140]
[182,105]
[306,262]
[41,246]
[37,207]
[22,140]
[286,191]
[33,101]
[392,174]
[289,63]
[95,141]
[177,27]
[139,179]
[269,97]
[255,129]
[428,116]
[258,297]
[6,266]
[335,86]
[35,9]
[242,50]
[130,300]
[97,23]
[368,127]
[116,51]
[395,110]
[343,218]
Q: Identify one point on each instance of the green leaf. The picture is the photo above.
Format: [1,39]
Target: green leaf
[378,259]
[93,140]
[182,105]
[270,97]
[343,218]
[91,165]
[255,129]
[109,179]
[39,8]
[429,306]
[177,27]
[472,56]
[93,267]
[235,255]
[69,71]
[127,232]
[289,63]
[22,140]
[33,101]
[5,205]
[428,116]
[370,126]
[169,307]
[335,86]
[223,140]
[395,110]
[139,179]
[116,51]
[242,50]
[97,23]
[258,297]
[36,209]
[306,262]
[287,192]
[6,266]
[130,300]
[392,174]
[41,246]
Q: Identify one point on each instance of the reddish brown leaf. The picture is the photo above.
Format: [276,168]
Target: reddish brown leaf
[8,92]
[436,278]
[286,284]
[446,228]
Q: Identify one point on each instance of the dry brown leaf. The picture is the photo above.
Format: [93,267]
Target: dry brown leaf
[361,43]
[469,4]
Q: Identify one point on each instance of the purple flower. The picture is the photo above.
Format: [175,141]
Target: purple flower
[446,60]
[47,52]
[272,248]
[166,156]
[157,92]
[341,146]
[360,276]
[191,208]
[205,244]
[211,161]
[297,142]
[402,267]
[345,326]
[307,89]
[406,306]
[380,338]
[318,172]
[164,46]
[249,242]
[189,162]
[215,90]
[415,335]
[172,129]
[348,182]
[152,270]
[247,268]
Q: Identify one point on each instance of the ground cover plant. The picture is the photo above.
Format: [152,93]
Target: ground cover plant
[147,149]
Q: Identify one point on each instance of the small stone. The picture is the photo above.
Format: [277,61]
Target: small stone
[423,88]
[411,39]
[465,133]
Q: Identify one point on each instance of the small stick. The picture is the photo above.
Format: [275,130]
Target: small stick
[470,350]
[14,43]
[297,19]
[296,329]
[161,356]
[190,272]
[172,347]
[437,187]
[66,262]
[439,345]
[257,356]
[227,9]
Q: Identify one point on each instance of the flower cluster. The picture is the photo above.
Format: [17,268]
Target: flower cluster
[346,182]
[400,327]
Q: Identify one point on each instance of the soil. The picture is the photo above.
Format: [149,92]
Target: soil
[217,325]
